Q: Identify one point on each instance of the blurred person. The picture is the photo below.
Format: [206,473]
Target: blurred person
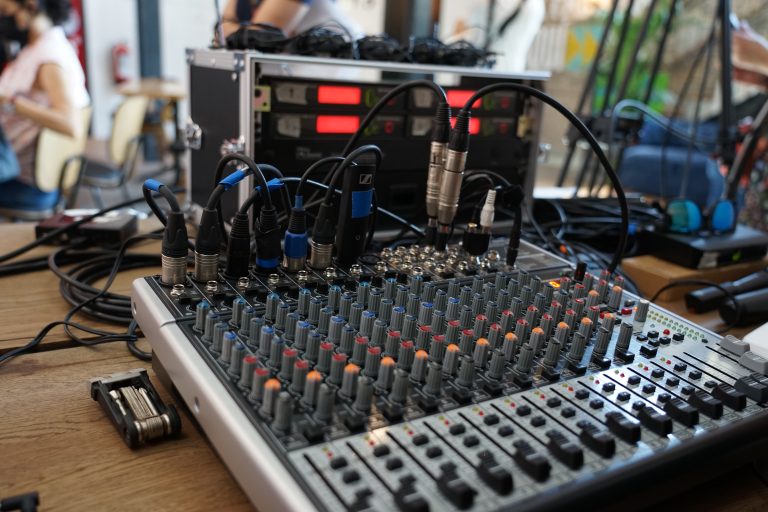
[290,16]
[44,87]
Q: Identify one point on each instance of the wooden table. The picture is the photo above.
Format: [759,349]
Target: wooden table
[54,439]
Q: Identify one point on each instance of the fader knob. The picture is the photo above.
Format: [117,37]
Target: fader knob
[578,345]
[625,336]
[386,374]
[496,369]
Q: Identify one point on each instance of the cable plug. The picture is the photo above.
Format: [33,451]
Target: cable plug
[488,212]
[207,244]
[453,174]
[441,129]
[267,240]
[475,241]
[239,248]
[174,250]
[296,239]
[323,236]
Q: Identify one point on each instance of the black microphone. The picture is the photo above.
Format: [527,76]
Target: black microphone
[709,298]
[750,308]
[355,209]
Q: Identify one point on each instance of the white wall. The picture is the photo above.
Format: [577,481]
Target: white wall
[108,23]
[184,24]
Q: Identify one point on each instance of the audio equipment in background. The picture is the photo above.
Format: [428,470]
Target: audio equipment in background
[290,111]
[743,244]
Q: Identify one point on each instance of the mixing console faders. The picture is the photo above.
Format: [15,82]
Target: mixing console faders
[416,381]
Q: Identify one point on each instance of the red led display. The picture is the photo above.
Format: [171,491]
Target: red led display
[338,95]
[337,124]
[474,125]
[457,98]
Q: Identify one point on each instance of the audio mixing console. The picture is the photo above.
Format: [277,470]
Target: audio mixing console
[418,380]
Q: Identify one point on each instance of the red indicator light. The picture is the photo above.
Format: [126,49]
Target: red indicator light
[474,125]
[338,95]
[337,124]
[458,97]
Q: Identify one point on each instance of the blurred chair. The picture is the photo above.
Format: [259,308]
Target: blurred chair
[59,164]
[123,149]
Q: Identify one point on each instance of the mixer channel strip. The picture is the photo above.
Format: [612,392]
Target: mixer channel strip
[415,385]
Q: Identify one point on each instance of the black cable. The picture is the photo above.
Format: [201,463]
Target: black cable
[348,160]
[391,215]
[594,144]
[313,168]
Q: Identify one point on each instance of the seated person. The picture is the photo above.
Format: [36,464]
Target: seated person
[44,87]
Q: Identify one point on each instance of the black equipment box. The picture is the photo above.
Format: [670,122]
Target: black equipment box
[290,111]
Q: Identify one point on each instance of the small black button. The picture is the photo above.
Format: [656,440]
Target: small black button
[680,367]
[687,390]
[350,476]
[457,428]
[581,394]
[641,338]
[649,389]
[673,382]
[491,419]
[653,334]
[568,412]
[710,384]
[663,397]
[420,439]
[538,421]
[637,405]
[623,396]
[338,462]
[523,410]
[471,440]
[434,452]
[394,463]
[381,450]
[553,402]
[657,374]
[654,342]
[629,303]
[506,431]
[694,374]
[609,387]
[648,351]
[596,404]
[678,336]
[665,340]
[633,380]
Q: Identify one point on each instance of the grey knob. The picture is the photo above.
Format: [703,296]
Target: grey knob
[364,395]
[405,355]
[269,398]
[347,339]
[273,300]
[287,363]
[265,340]
[283,413]
[451,359]
[218,336]
[372,362]
[642,311]
[282,313]
[355,315]
[334,329]
[236,358]
[227,341]
[399,392]
[302,307]
[325,402]
[201,311]
[480,355]
[392,345]
[625,337]
[496,370]
[466,376]
[276,352]
[524,362]
[312,352]
[434,379]
[260,378]
[363,289]
[359,350]
[552,353]
[290,325]
[419,367]
[237,309]
[325,353]
[603,339]
[246,371]
[334,296]
[245,320]
[386,374]
[338,363]
[576,351]
[366,323]
[349,380]
[299,377]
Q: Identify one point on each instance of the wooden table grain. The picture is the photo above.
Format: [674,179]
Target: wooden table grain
[56,440]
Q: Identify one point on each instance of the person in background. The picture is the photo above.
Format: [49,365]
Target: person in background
[290,16]
[44,87]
